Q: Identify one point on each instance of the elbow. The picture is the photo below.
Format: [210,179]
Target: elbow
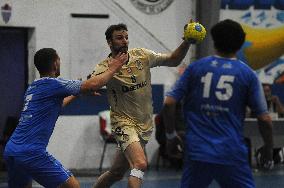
[169,103]
[265,120]
[175,64]
[264,117]
[89,86]
[173,61]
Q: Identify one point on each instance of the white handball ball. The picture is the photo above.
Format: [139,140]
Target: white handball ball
[194,32]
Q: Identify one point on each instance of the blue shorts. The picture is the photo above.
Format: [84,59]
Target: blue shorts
[40,166]
[197,174]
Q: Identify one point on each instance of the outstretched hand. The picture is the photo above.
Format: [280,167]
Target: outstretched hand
[194,32]
[184,28]
[175,147]
[268,162]
[265,159]
[117,62]
[94,93]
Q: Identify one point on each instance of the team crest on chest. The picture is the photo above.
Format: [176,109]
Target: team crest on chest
[139,64]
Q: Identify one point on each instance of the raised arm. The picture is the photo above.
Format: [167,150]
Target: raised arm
[176,57]
[193,33]
[98,81]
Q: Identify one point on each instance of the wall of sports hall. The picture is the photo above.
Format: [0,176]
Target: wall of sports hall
[76,30]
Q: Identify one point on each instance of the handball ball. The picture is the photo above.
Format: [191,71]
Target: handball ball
[194,32]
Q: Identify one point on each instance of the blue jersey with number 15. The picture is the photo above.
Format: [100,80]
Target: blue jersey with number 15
[216,92]
[42,105]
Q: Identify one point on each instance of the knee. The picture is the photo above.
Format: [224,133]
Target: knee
[141,165]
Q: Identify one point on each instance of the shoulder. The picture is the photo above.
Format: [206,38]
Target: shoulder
[140,51]
[46,80]
[103,63]
[47,84]
[63,82]
[201,62]
[244,68]
[100,67]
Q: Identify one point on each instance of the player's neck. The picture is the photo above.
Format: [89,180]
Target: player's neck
[51,75]
[226,55]
[113,54]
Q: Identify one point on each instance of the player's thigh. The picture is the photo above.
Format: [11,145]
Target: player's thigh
[196,174]
[46,170]
[17,175]
[125,134]
[119,164]
[237,176]
[136,156]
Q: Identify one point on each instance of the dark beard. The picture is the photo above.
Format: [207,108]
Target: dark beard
[123,49]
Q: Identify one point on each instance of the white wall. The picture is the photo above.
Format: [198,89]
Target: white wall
[76,141]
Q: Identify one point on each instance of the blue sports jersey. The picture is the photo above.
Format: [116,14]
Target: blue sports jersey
[216,92]
[42,105]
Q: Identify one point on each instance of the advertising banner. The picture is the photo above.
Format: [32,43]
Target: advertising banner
[263,22]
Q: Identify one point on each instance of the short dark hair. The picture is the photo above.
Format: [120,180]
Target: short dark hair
[228,36]
[113,28]
[44,58]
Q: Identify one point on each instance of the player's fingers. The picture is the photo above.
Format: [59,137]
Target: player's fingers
[184,27]
[97,94]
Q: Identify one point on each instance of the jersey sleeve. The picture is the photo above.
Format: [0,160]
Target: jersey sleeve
[256,99]
[67,87]
[100,68]
[155,59]
[181,87]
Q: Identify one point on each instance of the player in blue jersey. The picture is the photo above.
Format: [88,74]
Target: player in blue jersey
[216,91]
[25,152]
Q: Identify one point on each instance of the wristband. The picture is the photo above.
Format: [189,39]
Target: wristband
[171,135]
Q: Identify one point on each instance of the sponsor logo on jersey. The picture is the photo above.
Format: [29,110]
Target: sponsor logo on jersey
[214,63]
[133,79]
[227,66]
[126,89]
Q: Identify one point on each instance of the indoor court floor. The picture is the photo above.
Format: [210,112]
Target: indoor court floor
[170,178]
